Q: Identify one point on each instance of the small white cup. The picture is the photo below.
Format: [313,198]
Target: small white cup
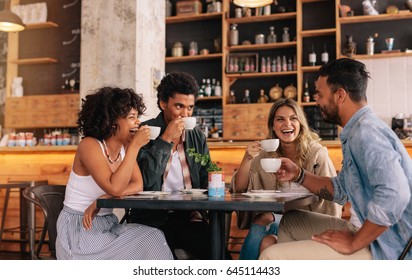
[270,164]
[154,132]
[190,122]
[270,145]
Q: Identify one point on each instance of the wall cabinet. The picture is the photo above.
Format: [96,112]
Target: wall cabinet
[313,26]
[43,54]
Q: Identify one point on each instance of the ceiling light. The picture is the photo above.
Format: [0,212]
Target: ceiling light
[9,21]
[252,3]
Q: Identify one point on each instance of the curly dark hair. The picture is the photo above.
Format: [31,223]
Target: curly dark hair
[101,109]
[176,82]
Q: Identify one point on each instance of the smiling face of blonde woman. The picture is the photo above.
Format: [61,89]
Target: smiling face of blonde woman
[286,124]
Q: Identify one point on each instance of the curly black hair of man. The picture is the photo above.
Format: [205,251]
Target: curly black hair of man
[101,109]
[176,82]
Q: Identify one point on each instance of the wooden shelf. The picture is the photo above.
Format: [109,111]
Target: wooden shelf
[260,74]
[318,32]
[185,58]
[315,1]
[40,60]
[180,19]
[40,25]
[380,55]
[253,19]
[209,98]
[308,104]
[310,68]
[262,46]
[382,17]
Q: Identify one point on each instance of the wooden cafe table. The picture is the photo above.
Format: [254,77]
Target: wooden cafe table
[216,206]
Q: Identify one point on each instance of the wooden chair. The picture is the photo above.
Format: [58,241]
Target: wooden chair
[50,199]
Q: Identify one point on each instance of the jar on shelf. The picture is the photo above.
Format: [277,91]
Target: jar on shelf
[234,35]
[177,49]
[285,35]
[272,36]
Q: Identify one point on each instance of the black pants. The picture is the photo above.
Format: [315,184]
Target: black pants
[180,232]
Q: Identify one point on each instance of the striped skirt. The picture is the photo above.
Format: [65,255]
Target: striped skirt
[107,240]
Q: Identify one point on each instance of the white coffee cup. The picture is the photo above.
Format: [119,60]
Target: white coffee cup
[190,122]
[270,164]
[269,145]
[154,132]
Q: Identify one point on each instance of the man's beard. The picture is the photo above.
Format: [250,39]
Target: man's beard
[330,114]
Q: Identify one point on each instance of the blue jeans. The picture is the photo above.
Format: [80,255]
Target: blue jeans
[251,246]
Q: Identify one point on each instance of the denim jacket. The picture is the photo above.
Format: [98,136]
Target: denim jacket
[376,178]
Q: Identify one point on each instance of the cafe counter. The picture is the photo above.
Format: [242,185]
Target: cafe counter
[53,163]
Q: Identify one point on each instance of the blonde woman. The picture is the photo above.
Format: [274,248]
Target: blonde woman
[286,122]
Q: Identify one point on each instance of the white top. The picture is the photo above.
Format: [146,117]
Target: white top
[174,180]
[81,191]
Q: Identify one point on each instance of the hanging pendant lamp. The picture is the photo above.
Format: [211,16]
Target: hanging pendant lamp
[252,3]
[9,21]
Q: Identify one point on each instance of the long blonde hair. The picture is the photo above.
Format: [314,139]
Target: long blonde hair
[306,135]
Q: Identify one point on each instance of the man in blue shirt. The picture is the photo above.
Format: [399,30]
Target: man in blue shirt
[376,178]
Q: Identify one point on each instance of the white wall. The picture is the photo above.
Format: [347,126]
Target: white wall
[390,88]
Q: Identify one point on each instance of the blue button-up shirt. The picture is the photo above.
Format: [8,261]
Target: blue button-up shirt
[376,178]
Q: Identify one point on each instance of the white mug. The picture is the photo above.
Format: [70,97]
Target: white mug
[190,122]
[270,164]
[154,132]
[270,145]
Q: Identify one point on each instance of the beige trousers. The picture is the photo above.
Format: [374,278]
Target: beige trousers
[294,238]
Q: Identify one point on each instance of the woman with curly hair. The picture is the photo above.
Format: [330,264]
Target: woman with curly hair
[105,166]
[286,122]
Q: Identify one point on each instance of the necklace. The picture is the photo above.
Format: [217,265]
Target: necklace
[108,156]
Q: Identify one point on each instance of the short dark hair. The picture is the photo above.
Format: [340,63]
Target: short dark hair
[348,74]
[101,109]
[176,82]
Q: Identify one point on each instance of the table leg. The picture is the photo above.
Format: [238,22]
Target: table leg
[217,227]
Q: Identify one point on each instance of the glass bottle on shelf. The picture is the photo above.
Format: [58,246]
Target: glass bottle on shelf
[278,64]
[306,95]
[272,36]
[325,55]
[295,65]
[234,35]
[263,65]
[285,35]
[274,64]
[312,57]
[169,8]
[268,65]
[231,98]
[208,88]
[349,49]
[247,65]
[236,65]
[290,64]
[246,98]
[263,98]
[218,89]
[252,66]
[284,64]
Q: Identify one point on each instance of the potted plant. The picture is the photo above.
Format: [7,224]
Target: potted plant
[204,160]
[216,186]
